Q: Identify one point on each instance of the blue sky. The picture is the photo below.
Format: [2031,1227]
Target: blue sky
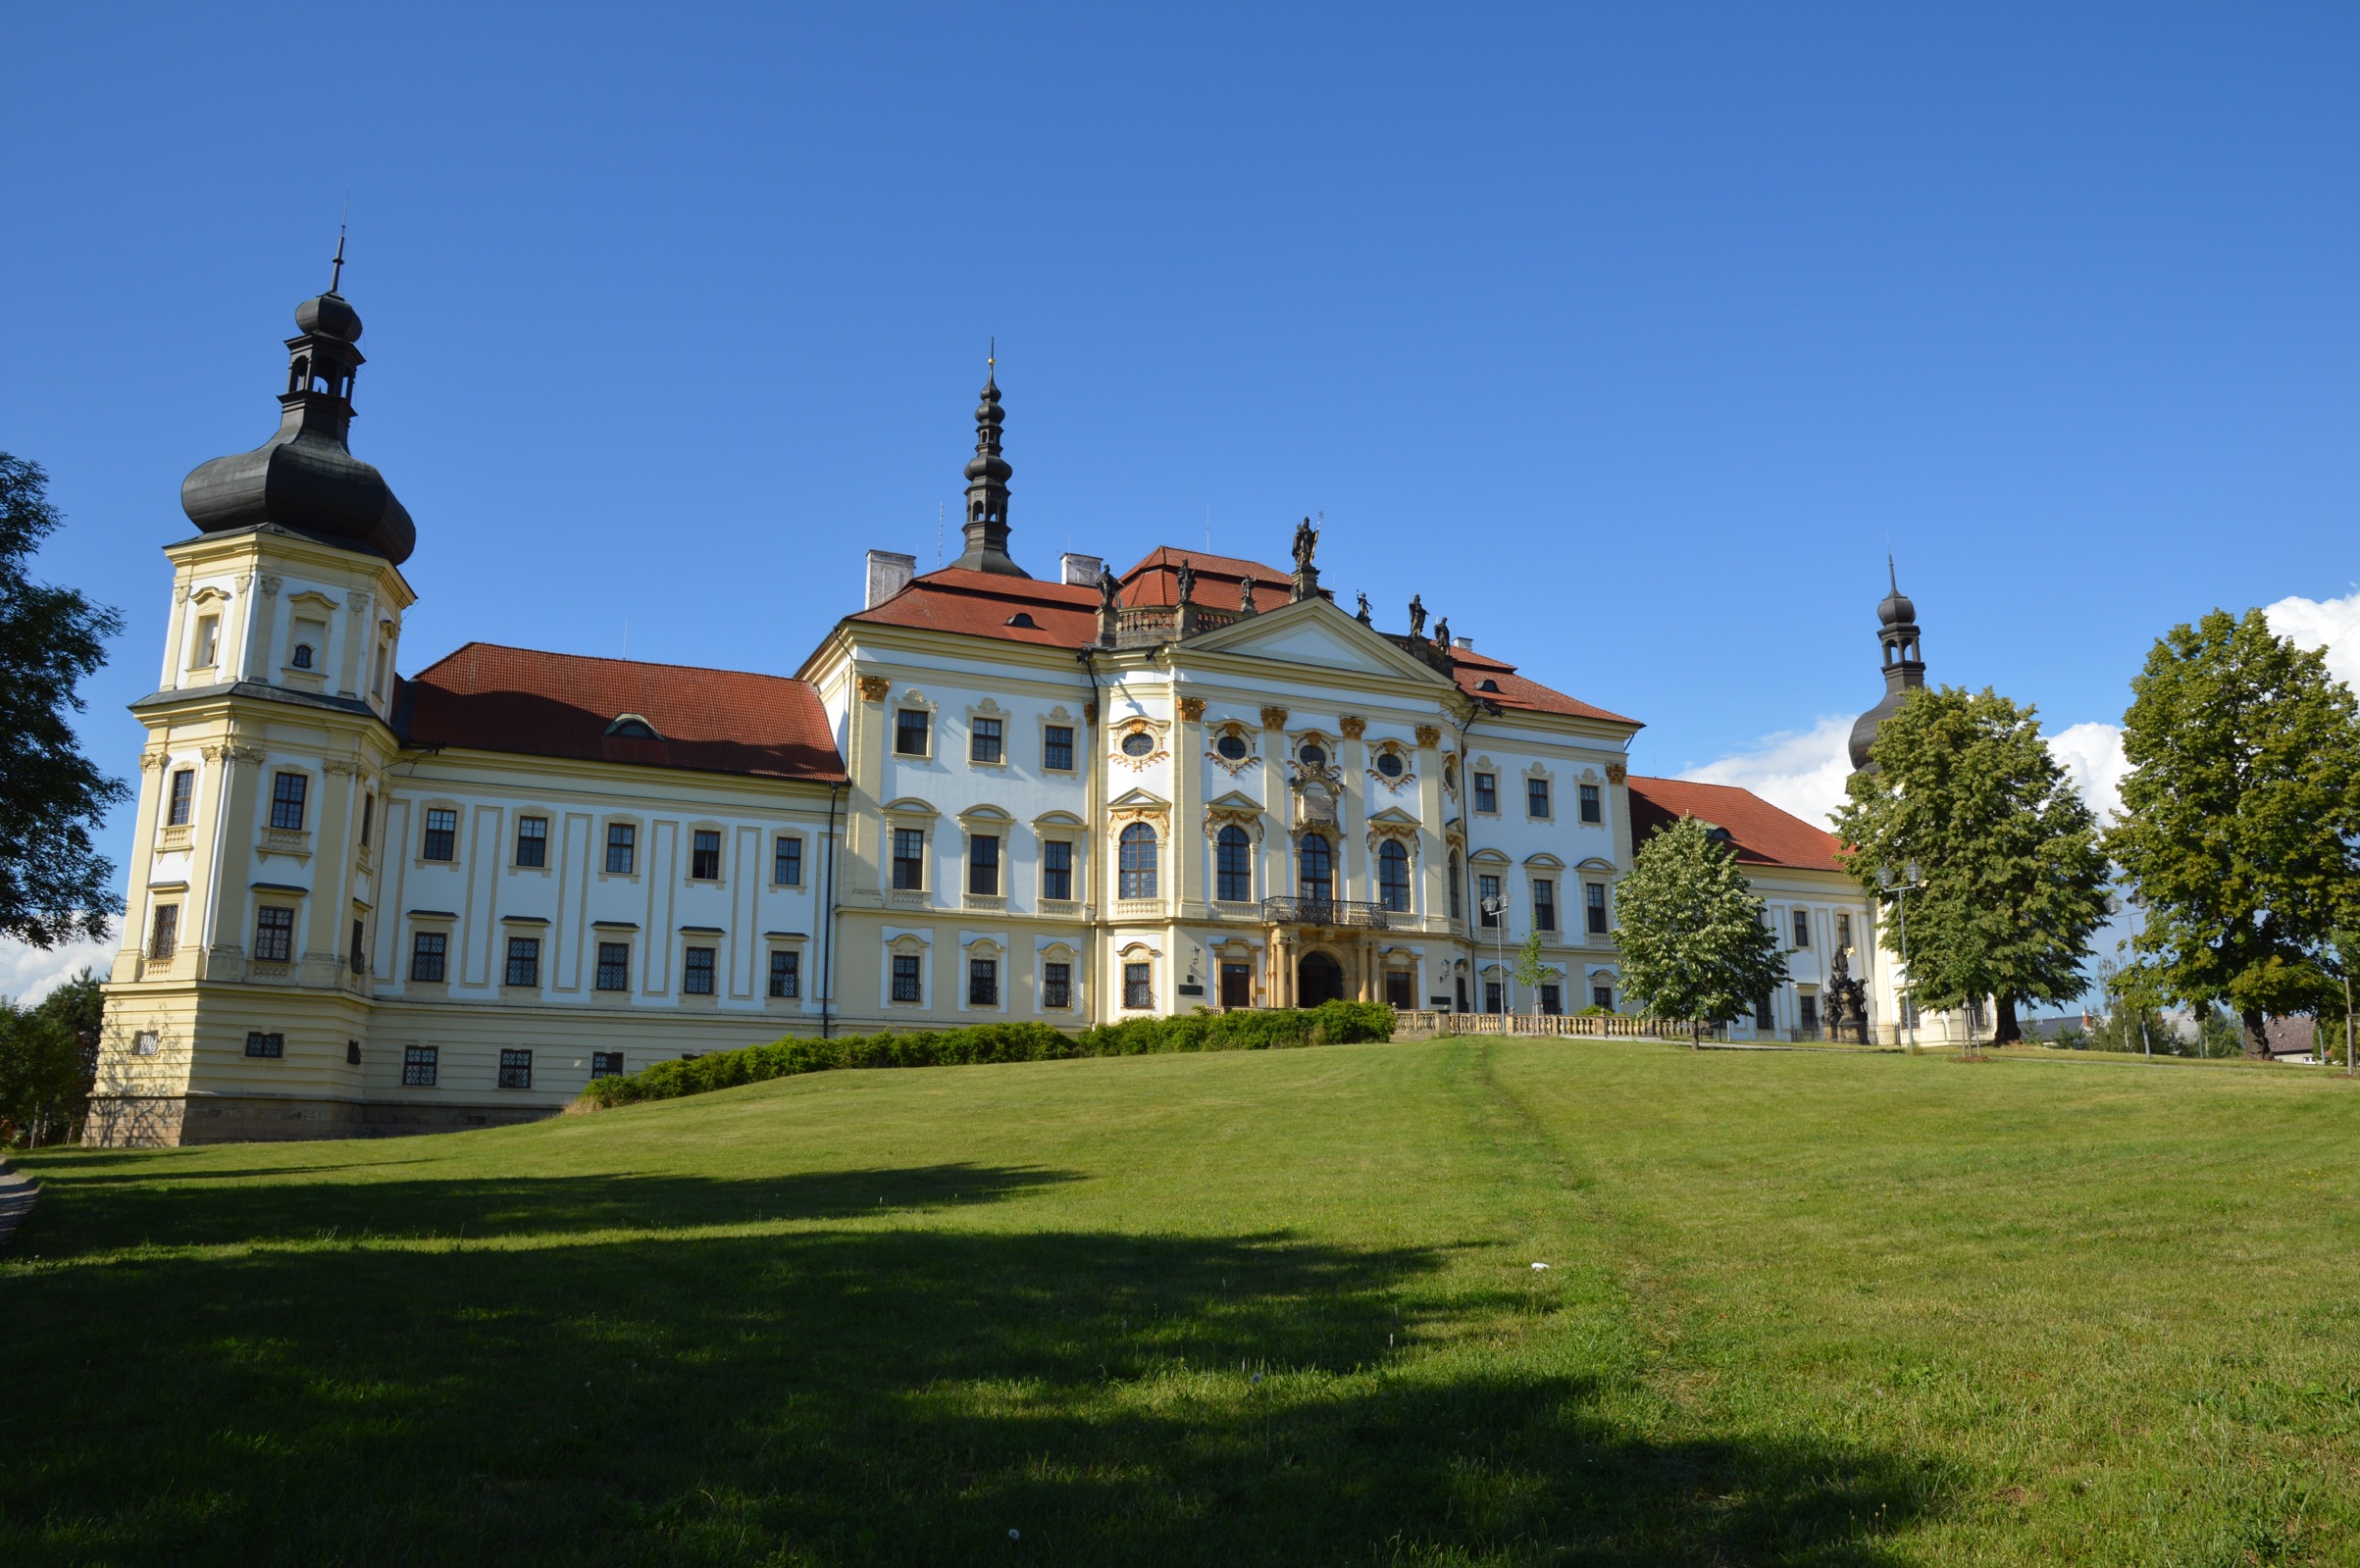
[1630,338]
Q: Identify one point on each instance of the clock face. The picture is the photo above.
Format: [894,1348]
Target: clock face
[1389,763]
[1138,743]
[1231,746]
[1314,757]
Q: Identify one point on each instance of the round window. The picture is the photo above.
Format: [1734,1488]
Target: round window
[1389,763]
[1232,746]
[1314,757]
[1138,743]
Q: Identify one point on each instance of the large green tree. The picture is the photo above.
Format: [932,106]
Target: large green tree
[48,1059]
[1696,944]
[2014,881]
[2239,817]
[54,885]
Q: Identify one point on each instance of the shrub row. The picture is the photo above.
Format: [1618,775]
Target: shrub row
[1328,1024]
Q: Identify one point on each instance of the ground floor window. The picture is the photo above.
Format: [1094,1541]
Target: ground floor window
[1493,1001]
[417,1063]
[906,978]
[1459,988]
[1399,992]
[1807,1009]
[1603,996]
[786,974]
[1139,988]
[983,983]
[261,1044]
[1762,1016]
[1553,999]
[516,1068]
[606,1064]
[1057,985]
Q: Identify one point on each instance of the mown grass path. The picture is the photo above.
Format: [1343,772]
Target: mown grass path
[1256,1308]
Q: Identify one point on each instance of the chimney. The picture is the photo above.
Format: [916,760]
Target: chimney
[1079,571]
[1468,644]
[888,575]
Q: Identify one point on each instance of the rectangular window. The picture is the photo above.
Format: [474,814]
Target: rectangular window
[1139,988]
[164,934]
[287,792]
[983,741]
[1544,904]
[1487,791]
[787,861]
[352,1053]
[418,1064]
[1762,1017]
[1398,989]
[622,848]
[1487,899]
[606,1064]
[274,935]
[1802,921]
[1591,810]
[1553,998]
[1459,988]
[261,1044]
[368,817]
[1594,901]
[1056,748]
[1843,931]
[516,1068]
[1603,996]
[786,974]
[532,840]
[1536,798]
[1056,869]
[704,855]
[360,949]
[697,972]
[983,983]
[523,960]
[182,802]
[614,966]
[910,858]
[208,640]
[428,951]
[1493,1001]
[442,841]
[1057,984]
[1807,1011]
[906,984]
[911,731]
[983,864]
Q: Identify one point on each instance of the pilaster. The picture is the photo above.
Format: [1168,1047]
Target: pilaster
[1351,866]
[1189,847]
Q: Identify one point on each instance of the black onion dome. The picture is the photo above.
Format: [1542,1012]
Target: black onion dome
[1896,609]
[305,478]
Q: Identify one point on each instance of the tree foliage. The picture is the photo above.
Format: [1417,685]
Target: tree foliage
[1532,970]
[54,885]
[2239,817]
[1694,938]
[2013,880]
[48,1057]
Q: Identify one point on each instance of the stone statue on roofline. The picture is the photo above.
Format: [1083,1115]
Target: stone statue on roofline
[1364,618]
[1307,539]
[1107,590]
[1244,596]
[1417,616]
[1188,581]
[1442,632]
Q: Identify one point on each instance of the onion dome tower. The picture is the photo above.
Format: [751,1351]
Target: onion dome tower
[1904,667]
[305,478]
[987,524]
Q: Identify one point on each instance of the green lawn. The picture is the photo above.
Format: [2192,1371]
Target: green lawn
[1252,1307]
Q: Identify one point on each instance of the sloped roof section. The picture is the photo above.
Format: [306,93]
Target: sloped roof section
[1759,832]
[1509,689]
[1220,579]
[521,700]
[986,604]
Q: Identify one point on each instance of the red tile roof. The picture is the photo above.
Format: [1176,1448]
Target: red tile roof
[1155,579]
[494,698]
[1759,832]
[1470,670]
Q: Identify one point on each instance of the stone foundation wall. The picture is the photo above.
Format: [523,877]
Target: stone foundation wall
[163,1121]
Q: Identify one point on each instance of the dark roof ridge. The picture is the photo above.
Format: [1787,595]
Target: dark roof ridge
[602,658]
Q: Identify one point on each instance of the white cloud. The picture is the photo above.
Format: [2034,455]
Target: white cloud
[2330,623]
[27,974]
[1801,772]
[2091,755]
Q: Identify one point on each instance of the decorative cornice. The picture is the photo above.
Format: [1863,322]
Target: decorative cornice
[153,759]
[340,765]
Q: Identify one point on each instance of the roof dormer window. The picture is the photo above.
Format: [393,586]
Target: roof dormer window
[1023,619]
[630,727]
[1487,683]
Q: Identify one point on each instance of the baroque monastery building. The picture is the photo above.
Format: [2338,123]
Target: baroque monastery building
[361,902]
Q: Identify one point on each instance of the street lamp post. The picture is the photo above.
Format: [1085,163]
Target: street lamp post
[1496,906]
[1899,886]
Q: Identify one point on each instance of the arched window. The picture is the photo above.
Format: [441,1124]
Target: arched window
[1234,872]
[1393,876]
[1138,862]
[1457,910]
[1315,863]
[302,658]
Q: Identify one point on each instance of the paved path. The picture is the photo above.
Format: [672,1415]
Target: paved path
[16,1194]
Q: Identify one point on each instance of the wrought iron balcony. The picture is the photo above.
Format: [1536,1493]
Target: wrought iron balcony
[1352,912]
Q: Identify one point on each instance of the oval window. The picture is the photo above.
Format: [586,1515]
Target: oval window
[1389,763]
[1138,743]
[1232,746]
[1314,757]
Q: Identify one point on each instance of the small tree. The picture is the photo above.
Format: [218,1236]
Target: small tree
[1965,787]
[1695,941]
[48,1058]
[2240,817]
[1532,971]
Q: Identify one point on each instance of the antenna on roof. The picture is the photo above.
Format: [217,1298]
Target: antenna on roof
[937,536]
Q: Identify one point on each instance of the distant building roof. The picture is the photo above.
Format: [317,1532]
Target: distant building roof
[494,698]
[1759,832]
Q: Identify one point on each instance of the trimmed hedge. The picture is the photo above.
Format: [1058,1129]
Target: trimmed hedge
[1328,1024]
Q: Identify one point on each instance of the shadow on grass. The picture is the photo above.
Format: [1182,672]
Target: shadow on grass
[849,1394]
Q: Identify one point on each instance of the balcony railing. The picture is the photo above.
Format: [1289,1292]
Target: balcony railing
[1352,912]
[1145,626]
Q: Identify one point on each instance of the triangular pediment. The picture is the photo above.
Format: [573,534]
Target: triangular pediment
[1138,800]
[1392,816]
[1315,633]
[1233,801]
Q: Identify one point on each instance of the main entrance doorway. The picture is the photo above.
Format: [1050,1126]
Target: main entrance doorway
[1319,978]
[1237,986]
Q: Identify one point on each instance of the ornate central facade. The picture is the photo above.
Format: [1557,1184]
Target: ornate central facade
[365,902]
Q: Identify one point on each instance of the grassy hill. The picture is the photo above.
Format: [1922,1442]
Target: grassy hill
[1252,1308]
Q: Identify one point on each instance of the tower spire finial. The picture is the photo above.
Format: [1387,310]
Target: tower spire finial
[1892,575]
[335,273]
